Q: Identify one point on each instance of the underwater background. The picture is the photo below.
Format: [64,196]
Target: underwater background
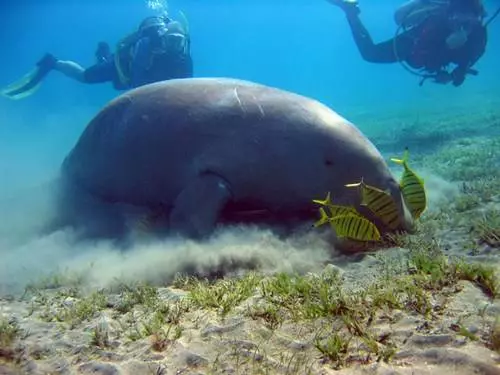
[299,45]
[427,305]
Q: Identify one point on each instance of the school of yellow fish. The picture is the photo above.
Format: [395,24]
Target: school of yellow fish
[348,223]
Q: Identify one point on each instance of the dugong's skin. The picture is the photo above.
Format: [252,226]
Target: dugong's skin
[201,148]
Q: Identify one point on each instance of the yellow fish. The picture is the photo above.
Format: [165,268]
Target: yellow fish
[335,209]
[355,227]
[412,187]
[346,221]
[380,203]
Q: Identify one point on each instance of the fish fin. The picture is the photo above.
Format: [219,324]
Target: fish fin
[356,184]
[406,154]
[337,210]
[326,202]
[404,159]
[370,187]
[397,161]
[353,185]
[323,218]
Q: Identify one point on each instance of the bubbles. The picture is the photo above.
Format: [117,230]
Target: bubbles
[160,6]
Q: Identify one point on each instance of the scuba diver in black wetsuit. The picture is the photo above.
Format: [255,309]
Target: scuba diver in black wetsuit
[159,50]
[431,36]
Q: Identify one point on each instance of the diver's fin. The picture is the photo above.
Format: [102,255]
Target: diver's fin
[31,81]
[197,208]
[23,87]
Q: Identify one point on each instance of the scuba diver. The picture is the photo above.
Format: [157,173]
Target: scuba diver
[431,35]
[159,50]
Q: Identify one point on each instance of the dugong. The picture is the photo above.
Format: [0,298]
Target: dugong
[201,149]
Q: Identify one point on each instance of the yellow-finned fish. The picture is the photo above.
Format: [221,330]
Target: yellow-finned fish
[412,187]
[346,221]
[380,203]
[335,209]
[355,227]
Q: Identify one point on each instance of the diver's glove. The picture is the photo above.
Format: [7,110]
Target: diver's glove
[443,77]
[458,75]
[47,62]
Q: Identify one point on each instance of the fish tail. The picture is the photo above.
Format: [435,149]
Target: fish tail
[326,202]
[323,218]
[357,184]
[404,160]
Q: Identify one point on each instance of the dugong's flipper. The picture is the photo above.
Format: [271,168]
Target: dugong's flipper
[197,208]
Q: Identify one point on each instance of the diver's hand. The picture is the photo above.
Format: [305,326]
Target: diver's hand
[443,77]
[459,74]
[458,79]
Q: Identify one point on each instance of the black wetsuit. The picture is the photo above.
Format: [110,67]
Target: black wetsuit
[143,67]
[105,71]
[422,47]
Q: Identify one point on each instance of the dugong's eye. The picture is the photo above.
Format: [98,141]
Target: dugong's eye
[328,162]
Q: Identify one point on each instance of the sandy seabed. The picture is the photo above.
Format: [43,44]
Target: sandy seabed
[426,305]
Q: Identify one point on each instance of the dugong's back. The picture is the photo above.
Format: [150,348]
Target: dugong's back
[148,142]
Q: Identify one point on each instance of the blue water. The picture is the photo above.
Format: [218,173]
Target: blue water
[299,45]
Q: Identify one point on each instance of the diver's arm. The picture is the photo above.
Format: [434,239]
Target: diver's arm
[473,50]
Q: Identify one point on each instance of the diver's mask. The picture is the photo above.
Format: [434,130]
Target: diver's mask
[152,26]
[175,42]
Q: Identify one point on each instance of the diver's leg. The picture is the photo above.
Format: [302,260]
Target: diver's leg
[371,52]
[102,72]
[99,73]
[70,69]
[196,210]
